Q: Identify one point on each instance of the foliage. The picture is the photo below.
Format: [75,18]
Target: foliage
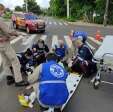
[7,15]
[18,8]
[82,9]
[32,6]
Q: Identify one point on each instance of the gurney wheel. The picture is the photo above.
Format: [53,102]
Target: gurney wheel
[96,84]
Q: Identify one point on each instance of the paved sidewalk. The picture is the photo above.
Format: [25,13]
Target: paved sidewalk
[81,23]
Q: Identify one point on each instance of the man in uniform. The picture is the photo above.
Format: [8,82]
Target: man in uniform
[7,51]
[49,83]
[83,61]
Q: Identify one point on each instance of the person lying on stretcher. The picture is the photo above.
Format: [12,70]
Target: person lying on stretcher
[40,50]
[82,63]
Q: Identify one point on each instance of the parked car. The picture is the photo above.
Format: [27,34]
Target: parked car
[28,21]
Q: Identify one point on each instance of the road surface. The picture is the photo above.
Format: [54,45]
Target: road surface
[85,99]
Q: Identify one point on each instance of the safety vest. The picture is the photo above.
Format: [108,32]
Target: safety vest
[52,85]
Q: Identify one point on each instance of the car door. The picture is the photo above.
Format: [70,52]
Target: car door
[22,21]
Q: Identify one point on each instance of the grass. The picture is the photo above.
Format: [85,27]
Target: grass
[66,19]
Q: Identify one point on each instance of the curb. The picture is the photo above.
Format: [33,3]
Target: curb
[89,24]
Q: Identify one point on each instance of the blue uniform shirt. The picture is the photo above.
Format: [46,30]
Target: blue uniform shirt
[85,53]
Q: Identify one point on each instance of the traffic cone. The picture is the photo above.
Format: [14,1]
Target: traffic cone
[98,36]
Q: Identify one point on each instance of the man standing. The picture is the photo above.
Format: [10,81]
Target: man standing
[9,53]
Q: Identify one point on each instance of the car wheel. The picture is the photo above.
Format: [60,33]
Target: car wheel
[28,30]
[43,31]
[15,25]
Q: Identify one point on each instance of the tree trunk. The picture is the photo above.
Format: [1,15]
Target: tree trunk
[106,13]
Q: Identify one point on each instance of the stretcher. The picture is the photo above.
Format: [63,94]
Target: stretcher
[104,58]
[73,81]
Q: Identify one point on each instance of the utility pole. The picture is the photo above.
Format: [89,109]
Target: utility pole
[26,5]
[67,8]
[106,13]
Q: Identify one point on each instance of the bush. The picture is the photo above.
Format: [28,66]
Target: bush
[99,19]
[71,19]
[7,15]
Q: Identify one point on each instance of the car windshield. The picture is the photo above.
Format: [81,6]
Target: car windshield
[31,17]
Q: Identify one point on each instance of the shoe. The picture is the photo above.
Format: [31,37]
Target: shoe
[10,80]
[22,83]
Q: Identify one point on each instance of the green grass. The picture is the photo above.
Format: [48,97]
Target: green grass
[65,18]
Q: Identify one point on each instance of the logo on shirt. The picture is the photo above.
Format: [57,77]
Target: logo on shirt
[56,71]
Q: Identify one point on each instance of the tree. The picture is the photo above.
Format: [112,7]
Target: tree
[58,7]
[32,6]
[18,8]
[84,9]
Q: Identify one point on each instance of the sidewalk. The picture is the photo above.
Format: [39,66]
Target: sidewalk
[81,23]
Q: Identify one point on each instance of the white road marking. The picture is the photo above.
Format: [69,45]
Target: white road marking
[68,41]
[54,41]
[29,41]
[107,82]
[65,24]
[55,23]
[50,23]
[46,22]
[44,37]
[90,46]
[16,39]
[60,23]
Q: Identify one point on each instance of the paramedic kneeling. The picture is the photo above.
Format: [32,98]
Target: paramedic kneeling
[51,77]
[83,61]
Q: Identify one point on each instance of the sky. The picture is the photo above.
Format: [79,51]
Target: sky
[12,3]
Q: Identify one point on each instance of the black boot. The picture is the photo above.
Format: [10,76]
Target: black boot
[10,80]
[21,83]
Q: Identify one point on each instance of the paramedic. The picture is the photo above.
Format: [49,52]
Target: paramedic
[83,61]
[51,82]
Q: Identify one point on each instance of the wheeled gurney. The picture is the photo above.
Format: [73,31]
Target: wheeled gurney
[104,59]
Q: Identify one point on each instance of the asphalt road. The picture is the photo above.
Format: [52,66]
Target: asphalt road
[85,99]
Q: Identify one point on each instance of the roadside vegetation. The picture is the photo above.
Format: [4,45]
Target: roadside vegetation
[92,11]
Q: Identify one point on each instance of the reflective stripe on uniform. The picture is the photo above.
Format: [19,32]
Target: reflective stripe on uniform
[89,49]
[52,81]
